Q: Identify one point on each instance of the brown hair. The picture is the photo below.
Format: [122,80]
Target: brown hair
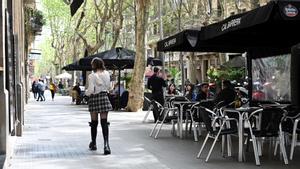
[98,64]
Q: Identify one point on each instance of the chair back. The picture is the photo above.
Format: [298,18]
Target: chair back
[269,121]
[207,117]
[156,104]
[288,120]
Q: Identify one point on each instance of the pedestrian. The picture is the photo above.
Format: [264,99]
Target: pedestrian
[41,90]
[60,85]
[98,87]
[156,84]
[34,89]
[52,88]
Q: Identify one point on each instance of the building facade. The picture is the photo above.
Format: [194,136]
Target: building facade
[13,70]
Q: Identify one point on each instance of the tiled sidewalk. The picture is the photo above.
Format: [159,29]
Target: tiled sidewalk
[56,136]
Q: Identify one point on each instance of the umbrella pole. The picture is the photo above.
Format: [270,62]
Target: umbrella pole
[119,98]
[249,70]
[182,73]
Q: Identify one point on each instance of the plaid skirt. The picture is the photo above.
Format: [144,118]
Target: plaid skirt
[99,103]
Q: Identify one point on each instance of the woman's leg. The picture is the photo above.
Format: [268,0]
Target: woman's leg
[94,125]
[52,94]
[105,132]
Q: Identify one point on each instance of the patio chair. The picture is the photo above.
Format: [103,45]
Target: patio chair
[216,126]
[164,112]
[268,126]
[194,115]
[149,109]
[290,126]
[188,112]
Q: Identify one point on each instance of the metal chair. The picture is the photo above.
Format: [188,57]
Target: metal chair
[290,126]
[149,109]
[195,120]
[216,126]
[164,111]
[267,127]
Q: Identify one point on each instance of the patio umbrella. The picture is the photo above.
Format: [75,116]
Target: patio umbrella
[154,61]
[114,59]
[64,76]
[265,31]
[268,30]
[76,66]
[117,59]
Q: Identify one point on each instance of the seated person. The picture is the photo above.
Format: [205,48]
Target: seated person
[116,89]
[227,94]
[114,97]
[172,89]
[77,93]
[189,92]
[203,92]
[225,97]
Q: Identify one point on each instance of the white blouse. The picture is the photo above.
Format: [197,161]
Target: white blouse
[98,82]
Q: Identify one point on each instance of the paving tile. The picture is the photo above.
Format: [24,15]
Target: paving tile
[56,136]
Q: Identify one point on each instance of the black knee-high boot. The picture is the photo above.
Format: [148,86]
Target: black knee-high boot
[104,126]
[94,125]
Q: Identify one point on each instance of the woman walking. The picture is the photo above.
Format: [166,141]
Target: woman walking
[52,90]
[98,87]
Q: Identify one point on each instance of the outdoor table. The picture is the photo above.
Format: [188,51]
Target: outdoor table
[168,99]
[181,104]
[240,112]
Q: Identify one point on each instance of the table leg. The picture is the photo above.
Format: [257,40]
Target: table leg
[181,123]
[241,136]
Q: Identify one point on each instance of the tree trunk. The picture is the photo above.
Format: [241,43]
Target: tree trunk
[136,88]
[192,68]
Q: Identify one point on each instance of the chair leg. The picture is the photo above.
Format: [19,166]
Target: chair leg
[203,145]
[152,131]
[194,127]
[229,145]
[199,129]
[186,126]
[191,127]
[147,114]
[178,126]
[173,127]
[254,145]
[223,146]
[161,124]
[282,148]
[259,147]
[276,147]
[213,145]
[294,140]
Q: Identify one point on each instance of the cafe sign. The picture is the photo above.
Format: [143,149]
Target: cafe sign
[170,42]
[231,24]
[290,10]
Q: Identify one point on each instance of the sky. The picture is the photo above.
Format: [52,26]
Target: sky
[45,32]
